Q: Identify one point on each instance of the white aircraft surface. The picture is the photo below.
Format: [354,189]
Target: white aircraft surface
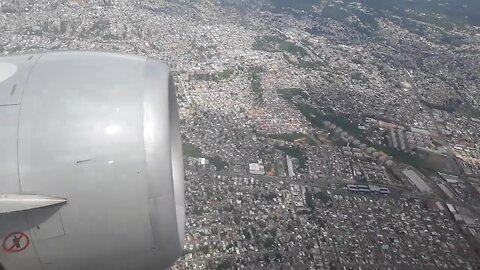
[91,170]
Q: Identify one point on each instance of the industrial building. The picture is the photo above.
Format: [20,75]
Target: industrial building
[416,180]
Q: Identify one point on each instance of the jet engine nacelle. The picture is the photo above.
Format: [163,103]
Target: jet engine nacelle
[91,169]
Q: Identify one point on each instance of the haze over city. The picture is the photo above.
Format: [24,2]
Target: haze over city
[316,134]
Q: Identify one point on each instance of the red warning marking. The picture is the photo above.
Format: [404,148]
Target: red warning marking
[16,242]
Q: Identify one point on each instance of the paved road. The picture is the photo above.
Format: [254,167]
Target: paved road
[322,182]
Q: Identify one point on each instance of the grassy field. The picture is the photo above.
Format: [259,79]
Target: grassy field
[294,151]
[190,150]
[288,93]
[218,76]
[256,82]
[277,44]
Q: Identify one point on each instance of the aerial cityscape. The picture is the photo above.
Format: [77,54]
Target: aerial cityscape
[317,134]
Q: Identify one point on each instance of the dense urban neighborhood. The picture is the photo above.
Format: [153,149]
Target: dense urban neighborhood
[328,134]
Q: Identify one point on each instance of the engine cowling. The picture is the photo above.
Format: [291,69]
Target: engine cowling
[97,136]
